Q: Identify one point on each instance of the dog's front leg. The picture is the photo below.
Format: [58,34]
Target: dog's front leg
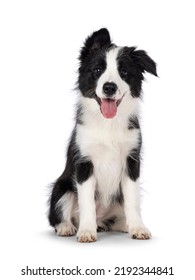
[87,231]
[135,226]
[130,187]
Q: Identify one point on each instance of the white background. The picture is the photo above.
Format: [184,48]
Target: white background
[40,41]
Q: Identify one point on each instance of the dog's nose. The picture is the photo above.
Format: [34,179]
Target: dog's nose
[109,88]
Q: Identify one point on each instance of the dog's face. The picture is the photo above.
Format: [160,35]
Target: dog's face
[109,73]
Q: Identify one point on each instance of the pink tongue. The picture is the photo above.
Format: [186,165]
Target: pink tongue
[108,108]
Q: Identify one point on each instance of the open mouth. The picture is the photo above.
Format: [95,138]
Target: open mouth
[108,106]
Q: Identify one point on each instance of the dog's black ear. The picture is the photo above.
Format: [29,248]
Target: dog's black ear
[145,63]
[98,40]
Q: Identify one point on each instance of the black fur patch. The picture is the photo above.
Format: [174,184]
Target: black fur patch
[79,115]
[98,40]
[83,171]
[132,64]
[133,162]
[118,197]
[97,195]
[88,75]
[100,229]
[109,223]
[133,165]
[133,122]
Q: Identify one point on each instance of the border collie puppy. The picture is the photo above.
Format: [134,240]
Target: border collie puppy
[99,188]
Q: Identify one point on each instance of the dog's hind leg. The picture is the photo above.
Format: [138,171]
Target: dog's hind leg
[62,207]
[66,206]
[63,201]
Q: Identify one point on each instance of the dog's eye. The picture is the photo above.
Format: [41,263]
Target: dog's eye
[97,71]
[123,72]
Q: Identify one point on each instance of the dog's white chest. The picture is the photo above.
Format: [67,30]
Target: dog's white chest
[107,146]
[109,166]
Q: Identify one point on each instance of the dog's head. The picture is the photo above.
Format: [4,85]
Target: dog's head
[111,74]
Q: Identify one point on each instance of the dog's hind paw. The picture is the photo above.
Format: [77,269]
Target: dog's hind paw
[65,229]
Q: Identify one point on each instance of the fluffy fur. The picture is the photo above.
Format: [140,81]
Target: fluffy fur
[99,188]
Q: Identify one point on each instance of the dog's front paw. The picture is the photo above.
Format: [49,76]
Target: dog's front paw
[65,229]
[85,236]
[140,233]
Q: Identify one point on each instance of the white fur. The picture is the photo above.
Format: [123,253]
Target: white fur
[111,75]
[132,208]
[66,204]
[87,211]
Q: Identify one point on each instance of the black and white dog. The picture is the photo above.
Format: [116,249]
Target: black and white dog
[99,188]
